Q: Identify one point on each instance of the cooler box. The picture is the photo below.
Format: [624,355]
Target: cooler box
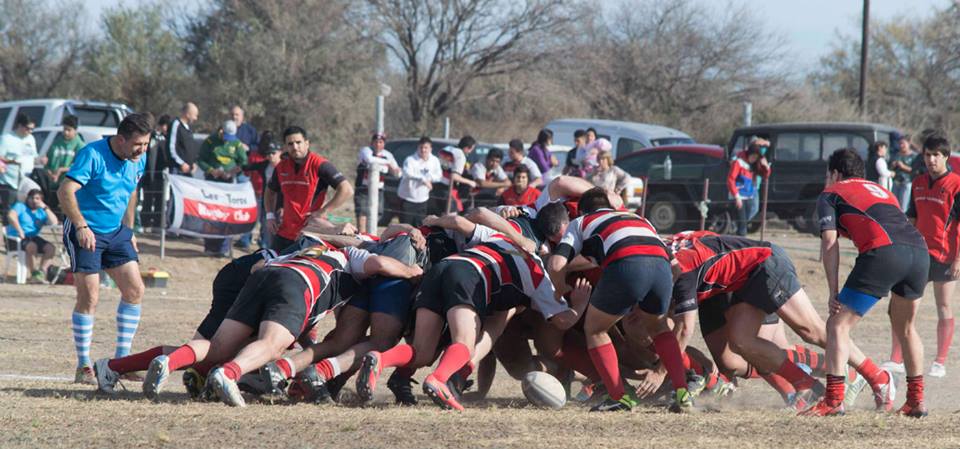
[155,278]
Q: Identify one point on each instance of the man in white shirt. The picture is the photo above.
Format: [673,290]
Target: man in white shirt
[420,171]
[453,161]
[489,175]
[17,150]
[519,157]
[375,153]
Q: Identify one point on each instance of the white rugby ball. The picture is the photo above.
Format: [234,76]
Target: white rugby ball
[543,390]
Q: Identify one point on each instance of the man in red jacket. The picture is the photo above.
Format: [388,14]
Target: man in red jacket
[303,178]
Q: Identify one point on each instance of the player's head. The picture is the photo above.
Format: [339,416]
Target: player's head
[296,142]
[133,136]
[844,163]
[593,200]
[552,221]
[936,152]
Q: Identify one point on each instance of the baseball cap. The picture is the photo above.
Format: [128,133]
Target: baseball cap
[229,130]
[378,135]
[896,135]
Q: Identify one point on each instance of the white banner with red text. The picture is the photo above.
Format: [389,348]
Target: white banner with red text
[211,209]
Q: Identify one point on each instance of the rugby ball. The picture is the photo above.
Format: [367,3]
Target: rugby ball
[543,390]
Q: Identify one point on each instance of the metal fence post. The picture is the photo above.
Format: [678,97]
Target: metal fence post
[163,215]
[373,190]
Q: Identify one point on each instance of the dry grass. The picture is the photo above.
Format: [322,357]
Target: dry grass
[35,340]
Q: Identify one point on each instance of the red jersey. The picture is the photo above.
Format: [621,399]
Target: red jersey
[511,198]
[715,264]
[607,236]
[255,177]
[867,214]
[935,205]
[304,187]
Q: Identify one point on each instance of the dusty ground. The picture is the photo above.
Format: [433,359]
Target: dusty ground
[48,411]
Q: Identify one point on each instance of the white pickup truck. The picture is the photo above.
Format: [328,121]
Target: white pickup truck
[49,112]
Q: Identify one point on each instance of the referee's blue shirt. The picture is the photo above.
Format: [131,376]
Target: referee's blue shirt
[107,183]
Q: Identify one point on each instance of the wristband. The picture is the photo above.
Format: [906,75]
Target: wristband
[271,216]
[83,227]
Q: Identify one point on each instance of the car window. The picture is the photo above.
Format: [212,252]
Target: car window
[797,147]
[93,116]
[41,137]
[34,112]
[626,146]
[638,164]
[4,114]
[671,141]
[836,141]
[402,149]
[653,165]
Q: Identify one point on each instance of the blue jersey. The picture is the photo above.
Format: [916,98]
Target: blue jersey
[30,220]
[107,181]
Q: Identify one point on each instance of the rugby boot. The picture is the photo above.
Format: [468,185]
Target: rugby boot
[402,391]
[682,401]
[106,378]
[822,408]
[917,410]
[157,375]
[226,388]
[440,394]
[368,375]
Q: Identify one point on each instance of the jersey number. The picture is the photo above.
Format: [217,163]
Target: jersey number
[876,191]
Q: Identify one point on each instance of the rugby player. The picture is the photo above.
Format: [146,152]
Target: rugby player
[892,258]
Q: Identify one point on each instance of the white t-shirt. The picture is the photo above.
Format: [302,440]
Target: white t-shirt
[416,174]
[22,150]
[385,160]
[479,172]
[885,175]
[532,166]
[452,160]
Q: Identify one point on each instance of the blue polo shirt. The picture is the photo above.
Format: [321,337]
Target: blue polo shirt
[107,181]
[31,221]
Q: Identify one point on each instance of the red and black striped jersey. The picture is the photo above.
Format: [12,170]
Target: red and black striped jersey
[607,236]
[712,265]
[511,276]
[935,204]
[867,214]
[320,266]
[442,243]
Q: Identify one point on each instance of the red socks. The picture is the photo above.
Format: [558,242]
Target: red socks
[896,352]
[815,360]
[944,338]
[466,371]
[398,355]
[605,360]
[451,361]
[669,351]
[232,370]
[874,375]
[182,357]
[328,368]
[784,387]
[135,362]
[286,368]
[835,389]
[578,359]
[915,390]
[798,377]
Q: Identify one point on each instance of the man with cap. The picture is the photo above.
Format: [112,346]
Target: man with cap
[375,153]
[221,158]
[902,165]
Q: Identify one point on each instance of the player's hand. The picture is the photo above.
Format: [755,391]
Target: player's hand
[418,240]
[739,203]
[430,220]
[348,229]
[834,305]
[133,241]
[415,272]
[954,270]
[650,382]
[272,225]
[86,239]
[510,212]
[581,291]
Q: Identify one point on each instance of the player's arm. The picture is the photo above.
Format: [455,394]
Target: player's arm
[488,218]
[131,212]
[830,250]
[343,192]
[579,298]
[683,325]
[452,222]
[270,202]
[14,221]
[390,267]
[457,177]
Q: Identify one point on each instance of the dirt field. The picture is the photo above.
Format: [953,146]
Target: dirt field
[39,407]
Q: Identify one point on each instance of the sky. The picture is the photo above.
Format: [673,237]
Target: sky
[808,27]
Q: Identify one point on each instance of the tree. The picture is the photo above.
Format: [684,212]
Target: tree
[445,46]
[40,43]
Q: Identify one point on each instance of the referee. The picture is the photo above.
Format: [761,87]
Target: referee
[97,198]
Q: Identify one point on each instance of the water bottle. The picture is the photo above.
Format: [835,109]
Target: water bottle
[667,169]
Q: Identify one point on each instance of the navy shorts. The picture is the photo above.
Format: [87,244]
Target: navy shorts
[112,250]
[386,295]
[643,281]
[900,269]
[771,284]
[939,272]
[712,313]
[451,283]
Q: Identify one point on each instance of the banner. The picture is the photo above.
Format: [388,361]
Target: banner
[211,209]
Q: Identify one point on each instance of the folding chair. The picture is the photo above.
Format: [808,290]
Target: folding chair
[17,256]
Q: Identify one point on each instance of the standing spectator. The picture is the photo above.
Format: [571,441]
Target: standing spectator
[221,160]
[378,153]
[489,175]
[302,179]
[17,150]
[97,199]
[261,165]
[587,156]
[518,158]
[591,135]
[247,135]
[609,176]
[151,186]
[742,184]
[878,169]
[181,147]
[572,167]
[26,220]
[59,157]
[540,152]
[453,162]
[902,165]
[420,171]
[520,193]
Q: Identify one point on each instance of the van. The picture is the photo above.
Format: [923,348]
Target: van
[49,112]
[626,137]
[46,135]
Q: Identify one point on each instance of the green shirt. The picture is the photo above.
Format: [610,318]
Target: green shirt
[61,153]
[216,153]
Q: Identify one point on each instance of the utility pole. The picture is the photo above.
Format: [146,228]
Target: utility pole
[864,44]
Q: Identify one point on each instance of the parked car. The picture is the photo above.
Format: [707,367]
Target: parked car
[626,137]
[798,153]
[46,135]
[675,178]
[49,112]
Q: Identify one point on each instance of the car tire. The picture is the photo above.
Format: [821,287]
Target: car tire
[667,212]
[808,222]
[721,222]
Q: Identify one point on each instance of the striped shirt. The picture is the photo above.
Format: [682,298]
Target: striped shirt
[319,266]
[607,236]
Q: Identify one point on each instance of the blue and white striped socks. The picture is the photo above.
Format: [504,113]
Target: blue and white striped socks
[128,318]
[82,336]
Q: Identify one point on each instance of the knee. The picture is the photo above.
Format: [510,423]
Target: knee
[31,248]
[382,343]
[133,294]
[742,345]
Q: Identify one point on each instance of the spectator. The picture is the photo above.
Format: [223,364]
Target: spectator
[521,193]
[247,135]
[181,147]
[877,169]
[302,179]
[261,165]
[572,167]
[540,152]
[453,162]
[489,175]
[151,184]
[378,153]
[60,156]
[742,182]
[420,171]
[26,220]
[609,176]
[518,158]
[221,159]
[591,135]
[587,156]
[17,150]
[902,165]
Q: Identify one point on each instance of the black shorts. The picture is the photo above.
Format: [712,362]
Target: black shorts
[274,294]
[644,281]
[451,283]
[712,314]
[900,269]
[36,239]
[225,292]
[939,272]
[361,202]
[771,284]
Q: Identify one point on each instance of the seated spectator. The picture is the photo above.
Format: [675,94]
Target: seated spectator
[609,176]
[489,175]
[517,158]
[59,157]
[521,193]
[26,220]
[17,150]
